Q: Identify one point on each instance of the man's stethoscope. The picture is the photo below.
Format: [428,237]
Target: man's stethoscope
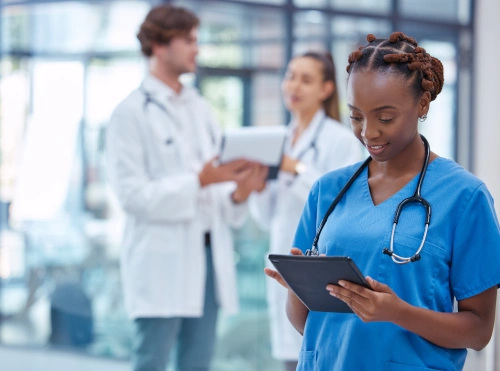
[150,100]
[415,198]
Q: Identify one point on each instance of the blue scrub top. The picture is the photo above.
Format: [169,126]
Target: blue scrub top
[460,259]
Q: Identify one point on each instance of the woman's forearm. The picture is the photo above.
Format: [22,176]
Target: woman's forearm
[464,329]
[296,311]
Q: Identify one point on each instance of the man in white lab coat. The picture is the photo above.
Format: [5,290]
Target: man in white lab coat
[177,257]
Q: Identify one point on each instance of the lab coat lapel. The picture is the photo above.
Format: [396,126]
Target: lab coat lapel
[165,125]
[305,140]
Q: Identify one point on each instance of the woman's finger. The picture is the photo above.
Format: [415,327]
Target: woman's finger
[275,275]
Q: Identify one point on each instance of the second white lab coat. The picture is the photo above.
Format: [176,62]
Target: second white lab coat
[279,207]
[163,256]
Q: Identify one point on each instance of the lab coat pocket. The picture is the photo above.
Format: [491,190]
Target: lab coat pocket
[307,360]
[391,366]
[169,160]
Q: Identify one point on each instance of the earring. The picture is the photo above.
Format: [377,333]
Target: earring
[422,118]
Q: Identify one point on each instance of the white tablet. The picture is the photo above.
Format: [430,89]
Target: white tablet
[263,144]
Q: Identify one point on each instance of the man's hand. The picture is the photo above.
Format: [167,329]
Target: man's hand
[251,179]
[232,171]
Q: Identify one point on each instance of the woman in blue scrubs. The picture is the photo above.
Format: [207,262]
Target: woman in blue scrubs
[407,322]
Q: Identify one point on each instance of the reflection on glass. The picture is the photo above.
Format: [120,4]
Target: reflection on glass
[300,47]
[267,106]
[224,55]
[234,36]
[58,26]
[375,6]
[310,23]
[449,10]
[14,105]
[15,28]
[268,55]
[274,2]
[310,3]
[438,128]
[225,94]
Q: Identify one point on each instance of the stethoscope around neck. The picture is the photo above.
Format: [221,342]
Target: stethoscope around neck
[313,143]
[416,198]
[149,99]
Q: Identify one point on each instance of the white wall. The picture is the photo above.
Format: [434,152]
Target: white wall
[486,123]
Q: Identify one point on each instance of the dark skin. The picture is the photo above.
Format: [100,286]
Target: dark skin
[384,118]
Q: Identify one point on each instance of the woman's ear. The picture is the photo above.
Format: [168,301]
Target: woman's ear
[328,89]
[424,103]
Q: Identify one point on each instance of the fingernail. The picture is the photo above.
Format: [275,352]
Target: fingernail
[333,294]
[342,283]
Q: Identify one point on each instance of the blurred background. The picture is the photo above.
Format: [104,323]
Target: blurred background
[65,65]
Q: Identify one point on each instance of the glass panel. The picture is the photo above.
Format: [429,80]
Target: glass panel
[439,128]
[300,47]
[15,28]
[372,6]
[42,213]
[233,35]
[58,26]
[274,2]
[267,106]
[14,108]
[310,23]
[225,93]
[310,3]
[449,10]
[243,341]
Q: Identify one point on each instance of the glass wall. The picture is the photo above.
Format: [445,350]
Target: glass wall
[65,65]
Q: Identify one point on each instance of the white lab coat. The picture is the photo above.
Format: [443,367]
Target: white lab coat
[279,207]
[163,256]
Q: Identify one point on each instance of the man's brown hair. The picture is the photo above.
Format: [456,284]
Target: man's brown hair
[162,24]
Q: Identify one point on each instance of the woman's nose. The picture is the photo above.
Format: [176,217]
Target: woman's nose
[369,130]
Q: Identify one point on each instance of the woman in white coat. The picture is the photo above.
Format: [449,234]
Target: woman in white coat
[317,143]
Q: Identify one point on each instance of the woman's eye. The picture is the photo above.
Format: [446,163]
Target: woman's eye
[355,118]
[385,121]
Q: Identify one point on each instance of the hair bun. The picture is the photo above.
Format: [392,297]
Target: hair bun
[370,37]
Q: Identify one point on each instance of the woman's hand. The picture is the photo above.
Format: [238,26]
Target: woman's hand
[273,274]
[377,305]
[288,164]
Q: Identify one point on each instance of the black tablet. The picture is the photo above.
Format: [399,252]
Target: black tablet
[308,276]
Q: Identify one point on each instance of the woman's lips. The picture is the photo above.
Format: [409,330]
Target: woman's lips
[376,149]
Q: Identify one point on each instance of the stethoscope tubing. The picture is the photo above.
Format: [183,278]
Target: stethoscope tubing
[415,198]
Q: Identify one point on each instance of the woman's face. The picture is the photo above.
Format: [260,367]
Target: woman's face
[384,113]
[304,88]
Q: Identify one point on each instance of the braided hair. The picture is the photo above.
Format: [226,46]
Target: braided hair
[162,24]
[400,54]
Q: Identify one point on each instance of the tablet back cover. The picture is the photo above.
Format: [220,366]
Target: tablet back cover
[308,277]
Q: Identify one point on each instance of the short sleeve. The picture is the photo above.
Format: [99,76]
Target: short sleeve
[306,229]
[475,265]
